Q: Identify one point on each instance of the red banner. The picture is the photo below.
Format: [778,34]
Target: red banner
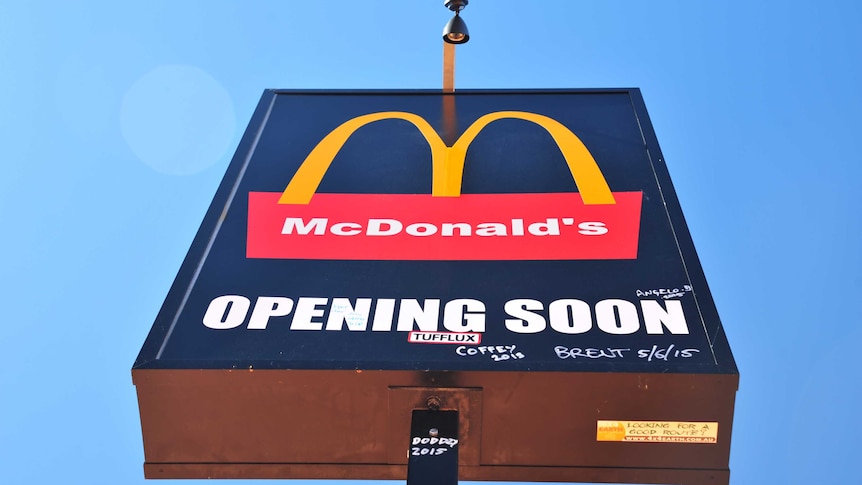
[556,226]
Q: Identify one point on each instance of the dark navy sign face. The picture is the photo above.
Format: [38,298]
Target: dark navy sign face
[414,230]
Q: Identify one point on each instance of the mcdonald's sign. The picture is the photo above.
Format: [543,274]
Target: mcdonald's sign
[519,255]
[593,223]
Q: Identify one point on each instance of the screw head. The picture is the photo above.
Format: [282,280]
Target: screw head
[433,403]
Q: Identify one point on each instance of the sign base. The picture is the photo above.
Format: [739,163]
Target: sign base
[523,426]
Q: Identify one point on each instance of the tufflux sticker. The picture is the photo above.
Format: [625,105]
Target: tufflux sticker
[444,338]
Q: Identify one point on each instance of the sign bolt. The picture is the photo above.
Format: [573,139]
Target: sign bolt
[433,403]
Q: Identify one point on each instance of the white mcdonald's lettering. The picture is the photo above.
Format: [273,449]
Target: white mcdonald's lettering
[551,226]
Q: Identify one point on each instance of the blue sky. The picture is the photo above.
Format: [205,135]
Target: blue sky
[117,121]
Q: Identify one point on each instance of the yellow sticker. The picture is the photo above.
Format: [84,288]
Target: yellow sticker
[657,431]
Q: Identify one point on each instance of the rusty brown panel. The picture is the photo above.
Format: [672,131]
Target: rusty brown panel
[346,424]
[399,472]
[550,419]
[262,416]
[336,471]
[595,475]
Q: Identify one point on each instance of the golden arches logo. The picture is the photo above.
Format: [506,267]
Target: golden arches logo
[448,162]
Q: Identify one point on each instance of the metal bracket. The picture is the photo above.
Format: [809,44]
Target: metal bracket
[433,452]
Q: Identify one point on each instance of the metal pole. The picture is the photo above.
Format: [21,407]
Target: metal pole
[448,67]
